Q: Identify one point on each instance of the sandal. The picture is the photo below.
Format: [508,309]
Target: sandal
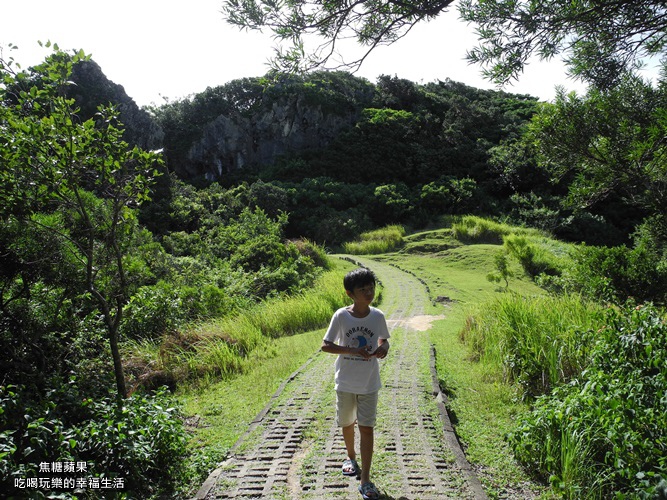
[369,491]
[351,468]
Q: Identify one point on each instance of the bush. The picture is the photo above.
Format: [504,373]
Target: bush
[603,433]
[618,273]
[142,442]
[164,307]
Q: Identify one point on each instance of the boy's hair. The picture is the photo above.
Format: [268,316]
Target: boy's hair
[358,278]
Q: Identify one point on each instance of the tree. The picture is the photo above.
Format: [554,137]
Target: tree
[600,40]
[370,22]
[607,148]
[76,182]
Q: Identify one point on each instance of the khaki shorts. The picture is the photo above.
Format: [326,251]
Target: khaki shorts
[361,408]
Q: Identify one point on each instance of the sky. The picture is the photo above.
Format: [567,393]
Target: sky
[166,49]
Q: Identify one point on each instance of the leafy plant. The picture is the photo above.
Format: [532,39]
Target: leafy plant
[143,441]
[616,405]
[535,341]
[503,271]
[82,174]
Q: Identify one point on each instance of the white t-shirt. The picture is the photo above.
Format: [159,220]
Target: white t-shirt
[354,373]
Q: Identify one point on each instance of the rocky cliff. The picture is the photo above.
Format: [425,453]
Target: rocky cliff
[94,88]
[290,124]
[244,124]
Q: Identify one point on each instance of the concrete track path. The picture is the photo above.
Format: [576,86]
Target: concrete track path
[293,449]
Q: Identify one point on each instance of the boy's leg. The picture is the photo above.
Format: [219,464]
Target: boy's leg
[346,416]
[366,438]
[348,437]
[367,411]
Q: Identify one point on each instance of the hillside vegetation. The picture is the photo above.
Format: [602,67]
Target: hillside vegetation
[128,274]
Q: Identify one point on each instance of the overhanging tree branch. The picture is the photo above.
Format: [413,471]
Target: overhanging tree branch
[370,22]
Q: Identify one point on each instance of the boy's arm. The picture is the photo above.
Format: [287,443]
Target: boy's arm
[332,348]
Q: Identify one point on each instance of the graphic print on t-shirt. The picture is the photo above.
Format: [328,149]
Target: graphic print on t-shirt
[359,336]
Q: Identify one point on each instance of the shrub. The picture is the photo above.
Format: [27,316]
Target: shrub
[30,432]
[152,311]
[616,408]
[618,273]
[142,441]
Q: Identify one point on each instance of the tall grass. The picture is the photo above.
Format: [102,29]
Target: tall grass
[535,258]
[535,341]
[474,229]
[386,239]
[224,346]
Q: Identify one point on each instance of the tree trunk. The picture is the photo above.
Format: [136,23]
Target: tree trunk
[117,364]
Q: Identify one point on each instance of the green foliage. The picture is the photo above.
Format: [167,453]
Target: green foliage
[615,409]
[599,42]
[616,274]
[393,202]
[387,239]
[76,182]
[604,150]
[474,229]
[532,210]
[225,346]
[534,258]
[142,442]
[535,341]
[448,195]
[146,438]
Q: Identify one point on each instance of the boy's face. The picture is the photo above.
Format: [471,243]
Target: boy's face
[363,295]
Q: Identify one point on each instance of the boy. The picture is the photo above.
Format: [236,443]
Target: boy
[358,335]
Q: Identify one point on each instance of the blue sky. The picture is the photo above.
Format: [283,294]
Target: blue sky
[161,49]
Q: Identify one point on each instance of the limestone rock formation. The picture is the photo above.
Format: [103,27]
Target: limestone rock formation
[291,124]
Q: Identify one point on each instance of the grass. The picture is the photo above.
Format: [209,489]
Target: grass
[387,239]
[225,347]
[474,229]
[483,407]
[535,340]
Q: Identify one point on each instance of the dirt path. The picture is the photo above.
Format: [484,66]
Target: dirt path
[294,450]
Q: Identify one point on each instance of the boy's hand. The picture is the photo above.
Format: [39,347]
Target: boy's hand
[382,350]
[363,352]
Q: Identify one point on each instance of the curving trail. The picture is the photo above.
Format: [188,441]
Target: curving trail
[293,449]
